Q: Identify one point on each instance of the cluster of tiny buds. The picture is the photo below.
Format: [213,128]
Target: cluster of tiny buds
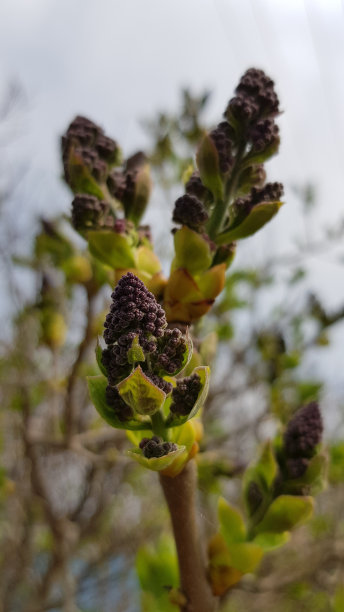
[90,213]
[155,447]
[133,308]
[115,401]
[172,348]
[195,187]
[89,141]
[301,437]
[221,137]
[185,394]
[255,97]
[190,211]
[271,192]
[136,316]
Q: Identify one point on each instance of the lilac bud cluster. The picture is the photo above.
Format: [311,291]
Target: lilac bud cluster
[271,192]
[255,97]
[190,211]
[254,108]
[195,187]
[304,431]
[221,137]
[136,319]
[301,437]
[133,309]
[90,213]
[164,385]
[120,408]
[185,394]
[155,447]
[88,141]
[171,350]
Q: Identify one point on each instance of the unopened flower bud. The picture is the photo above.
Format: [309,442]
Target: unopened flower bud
[114,400]
[190,211]
[185,394]
[304,432]
[90,213]
[221,137]
[155,447]
[195,187]
[133,308]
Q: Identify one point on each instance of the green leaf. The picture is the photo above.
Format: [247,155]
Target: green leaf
[232,524]
[157,566]
[245,556]
[267,465]
[99,354]
[209,168]
[286,512]
[270,541]
[313,480]
[204,373]
[97,386]
[135,353]
[155,463]
[192,251]
[338,602]
[263,473]
[140,393]
[112,249]
[255,220]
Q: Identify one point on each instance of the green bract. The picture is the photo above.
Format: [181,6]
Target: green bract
[255,220]
[97,386]
[140,393]
[114,250]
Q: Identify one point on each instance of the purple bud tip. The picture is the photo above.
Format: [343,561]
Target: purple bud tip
[133,308]
[155,447]
[190,211]
[185,394]
[304,432]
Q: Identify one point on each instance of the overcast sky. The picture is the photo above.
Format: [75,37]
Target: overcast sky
[118,61]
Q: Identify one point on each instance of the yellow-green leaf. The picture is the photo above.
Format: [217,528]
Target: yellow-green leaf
[97,386]
[112,249]
[138,391]
[232,524]
[286,512]
[192,251]
[255,220]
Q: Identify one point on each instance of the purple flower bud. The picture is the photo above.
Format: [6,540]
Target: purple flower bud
[195,187]
[170,351]
[115,401]
[221,138]
[190,211]
[185,394]
[304,432]
[155,447]
[90,213]
[296,467]
[131,310]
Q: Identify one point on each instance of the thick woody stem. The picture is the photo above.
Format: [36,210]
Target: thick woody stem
[180,495]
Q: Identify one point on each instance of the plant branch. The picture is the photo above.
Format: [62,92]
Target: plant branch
[180,495]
